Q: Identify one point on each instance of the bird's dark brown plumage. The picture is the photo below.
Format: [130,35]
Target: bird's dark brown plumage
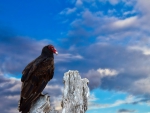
[35,76]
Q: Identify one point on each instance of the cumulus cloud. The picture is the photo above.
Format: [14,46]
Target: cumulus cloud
[123,26]
[128,22]
[107,72]
[95,76]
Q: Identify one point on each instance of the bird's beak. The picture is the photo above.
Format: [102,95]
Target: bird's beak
[56,53]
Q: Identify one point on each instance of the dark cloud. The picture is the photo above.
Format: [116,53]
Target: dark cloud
[16,52]
[125,111]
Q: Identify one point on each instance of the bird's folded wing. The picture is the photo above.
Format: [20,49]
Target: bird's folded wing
[31,67]
[46,69]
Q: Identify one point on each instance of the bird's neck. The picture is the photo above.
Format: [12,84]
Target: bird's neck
[47,53]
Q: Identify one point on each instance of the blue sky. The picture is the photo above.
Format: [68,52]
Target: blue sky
[107,41]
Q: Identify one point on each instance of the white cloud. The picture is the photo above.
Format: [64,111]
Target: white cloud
[144,49]
[95,76]
[107,72]
[128,22]
[68,11]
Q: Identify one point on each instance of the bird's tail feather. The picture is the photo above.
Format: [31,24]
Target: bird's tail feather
[26,103]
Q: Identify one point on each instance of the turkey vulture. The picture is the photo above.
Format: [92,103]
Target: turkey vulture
[35,76]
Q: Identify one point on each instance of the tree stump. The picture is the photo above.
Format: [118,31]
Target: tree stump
[76,92]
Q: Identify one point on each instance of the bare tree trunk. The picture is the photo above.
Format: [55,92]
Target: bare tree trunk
[75,96]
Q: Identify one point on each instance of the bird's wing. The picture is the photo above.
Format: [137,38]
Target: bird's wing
[31,67]
[47,69]
[40,73]
[39,76]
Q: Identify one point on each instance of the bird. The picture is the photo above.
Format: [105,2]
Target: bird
[35,77]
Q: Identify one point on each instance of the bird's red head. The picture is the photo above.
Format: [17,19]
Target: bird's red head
[51,47]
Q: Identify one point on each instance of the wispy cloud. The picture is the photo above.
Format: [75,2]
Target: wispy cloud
[128,100]
[67,57]
[125,111]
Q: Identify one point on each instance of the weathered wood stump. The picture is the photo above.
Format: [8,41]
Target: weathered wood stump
[76,92]
[42,105]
